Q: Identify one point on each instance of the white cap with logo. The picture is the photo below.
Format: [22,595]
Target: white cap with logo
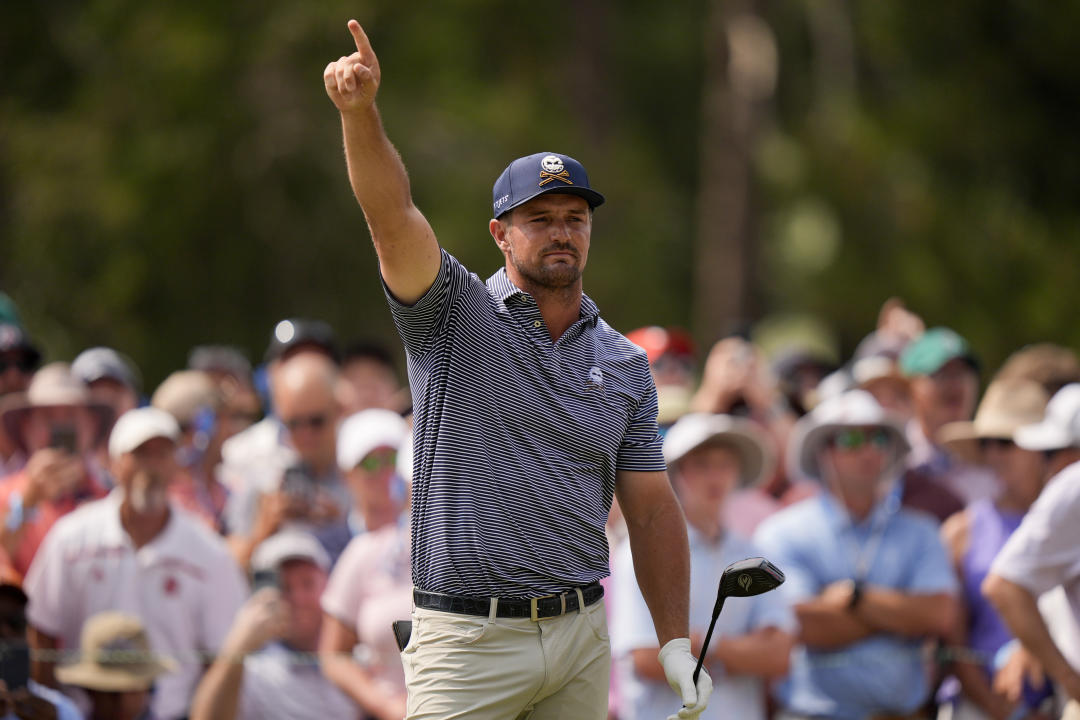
[1060,427]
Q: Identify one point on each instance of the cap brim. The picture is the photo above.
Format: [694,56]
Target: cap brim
[592,197]
[1042,437]
[96,677]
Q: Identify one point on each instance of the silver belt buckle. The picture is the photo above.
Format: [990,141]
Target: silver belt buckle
[533,608]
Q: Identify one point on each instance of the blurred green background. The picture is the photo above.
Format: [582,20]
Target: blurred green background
[171,173]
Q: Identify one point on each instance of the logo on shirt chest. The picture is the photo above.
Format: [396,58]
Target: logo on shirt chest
[595,380]
[171,586]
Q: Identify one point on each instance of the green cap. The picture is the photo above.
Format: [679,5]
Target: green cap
[8,313]
[930,351]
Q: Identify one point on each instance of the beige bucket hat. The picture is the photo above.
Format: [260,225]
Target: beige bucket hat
[54,386]
[116,656]
[1008,405]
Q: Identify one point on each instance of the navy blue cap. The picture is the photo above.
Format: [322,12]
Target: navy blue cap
[540,173]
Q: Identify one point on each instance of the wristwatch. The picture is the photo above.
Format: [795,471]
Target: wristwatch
[856,594]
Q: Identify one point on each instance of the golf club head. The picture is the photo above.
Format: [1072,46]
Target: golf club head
[749,577]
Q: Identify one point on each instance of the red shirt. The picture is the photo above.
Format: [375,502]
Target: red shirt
[39,521]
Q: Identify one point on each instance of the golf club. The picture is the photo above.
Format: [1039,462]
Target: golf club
[744,578]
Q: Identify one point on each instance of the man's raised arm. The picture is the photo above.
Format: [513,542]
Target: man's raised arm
[408,252]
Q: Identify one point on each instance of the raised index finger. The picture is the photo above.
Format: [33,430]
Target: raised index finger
[361,39]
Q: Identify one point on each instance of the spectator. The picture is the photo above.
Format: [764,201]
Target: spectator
[59,427]
[264,439]
[738,381]
[671,361]
[1050,365]
[18,360]
[708,457]
[131,552]
[231,372]
[869,580]
[193,400]
[976,534]
[20,696]
[300,484]
[359,614]
[369,379]
[113,380]
[368,446]
[1043,555]
[117,667]
[267,669]
[944,377]
[875,368]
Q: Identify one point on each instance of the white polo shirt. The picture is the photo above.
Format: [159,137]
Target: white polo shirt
[184,585]
[1044,552]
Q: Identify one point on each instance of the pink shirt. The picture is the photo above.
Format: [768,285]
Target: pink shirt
[370,588]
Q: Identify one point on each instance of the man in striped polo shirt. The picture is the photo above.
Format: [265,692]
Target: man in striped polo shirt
[530,414]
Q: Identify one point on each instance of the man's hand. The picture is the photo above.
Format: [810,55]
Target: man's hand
[51,473]
[264,617]
[1021,665]
[351,82]
[679,664]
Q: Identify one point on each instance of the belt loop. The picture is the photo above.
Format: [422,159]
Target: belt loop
[580,600]
[494,611]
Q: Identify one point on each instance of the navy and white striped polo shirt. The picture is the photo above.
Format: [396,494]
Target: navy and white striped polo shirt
[517,438]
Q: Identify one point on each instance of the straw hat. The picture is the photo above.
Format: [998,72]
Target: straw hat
[116,656]
[54,386]
[852,409]
[691,431]
[1008,405]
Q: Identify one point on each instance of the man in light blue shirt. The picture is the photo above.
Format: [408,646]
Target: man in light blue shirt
[870,581]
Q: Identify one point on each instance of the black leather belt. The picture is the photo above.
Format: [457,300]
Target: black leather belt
[536,608]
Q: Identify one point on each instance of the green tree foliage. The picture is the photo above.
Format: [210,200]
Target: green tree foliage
[171,173]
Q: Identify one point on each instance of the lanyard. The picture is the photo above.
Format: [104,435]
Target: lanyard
[863,554]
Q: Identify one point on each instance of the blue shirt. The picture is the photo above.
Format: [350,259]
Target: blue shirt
[517,438]
[815,543]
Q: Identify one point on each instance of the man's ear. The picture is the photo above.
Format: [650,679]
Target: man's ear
[497,228]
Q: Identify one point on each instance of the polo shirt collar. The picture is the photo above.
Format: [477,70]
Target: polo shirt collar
[503,289]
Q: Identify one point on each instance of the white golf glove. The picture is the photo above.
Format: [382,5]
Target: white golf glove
[679,663]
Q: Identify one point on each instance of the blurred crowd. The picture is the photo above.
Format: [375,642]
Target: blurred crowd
[235,542]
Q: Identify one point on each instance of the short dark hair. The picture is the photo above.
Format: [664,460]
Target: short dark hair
[369,350]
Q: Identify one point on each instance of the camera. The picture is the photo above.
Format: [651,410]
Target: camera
[62,437]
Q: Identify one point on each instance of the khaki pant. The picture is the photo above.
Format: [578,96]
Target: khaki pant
[491,668]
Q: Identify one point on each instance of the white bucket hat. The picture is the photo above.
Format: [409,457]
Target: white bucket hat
[852,409]
[1060,428]
[757,459]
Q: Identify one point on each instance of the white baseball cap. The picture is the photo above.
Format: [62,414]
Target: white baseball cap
[1060,428]
[366,430]
[289,545]
[140,425]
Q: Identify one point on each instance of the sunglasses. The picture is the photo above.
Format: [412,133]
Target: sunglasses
[855,439]
[313,422]
[22,363]
[374,463]
[996,443]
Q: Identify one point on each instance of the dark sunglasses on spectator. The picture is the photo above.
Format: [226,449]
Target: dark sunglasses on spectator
[314,422]
[22,363]
[855,439]
[375,462]
[998,443]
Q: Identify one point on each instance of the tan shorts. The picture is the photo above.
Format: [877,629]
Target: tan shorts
[491,668]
